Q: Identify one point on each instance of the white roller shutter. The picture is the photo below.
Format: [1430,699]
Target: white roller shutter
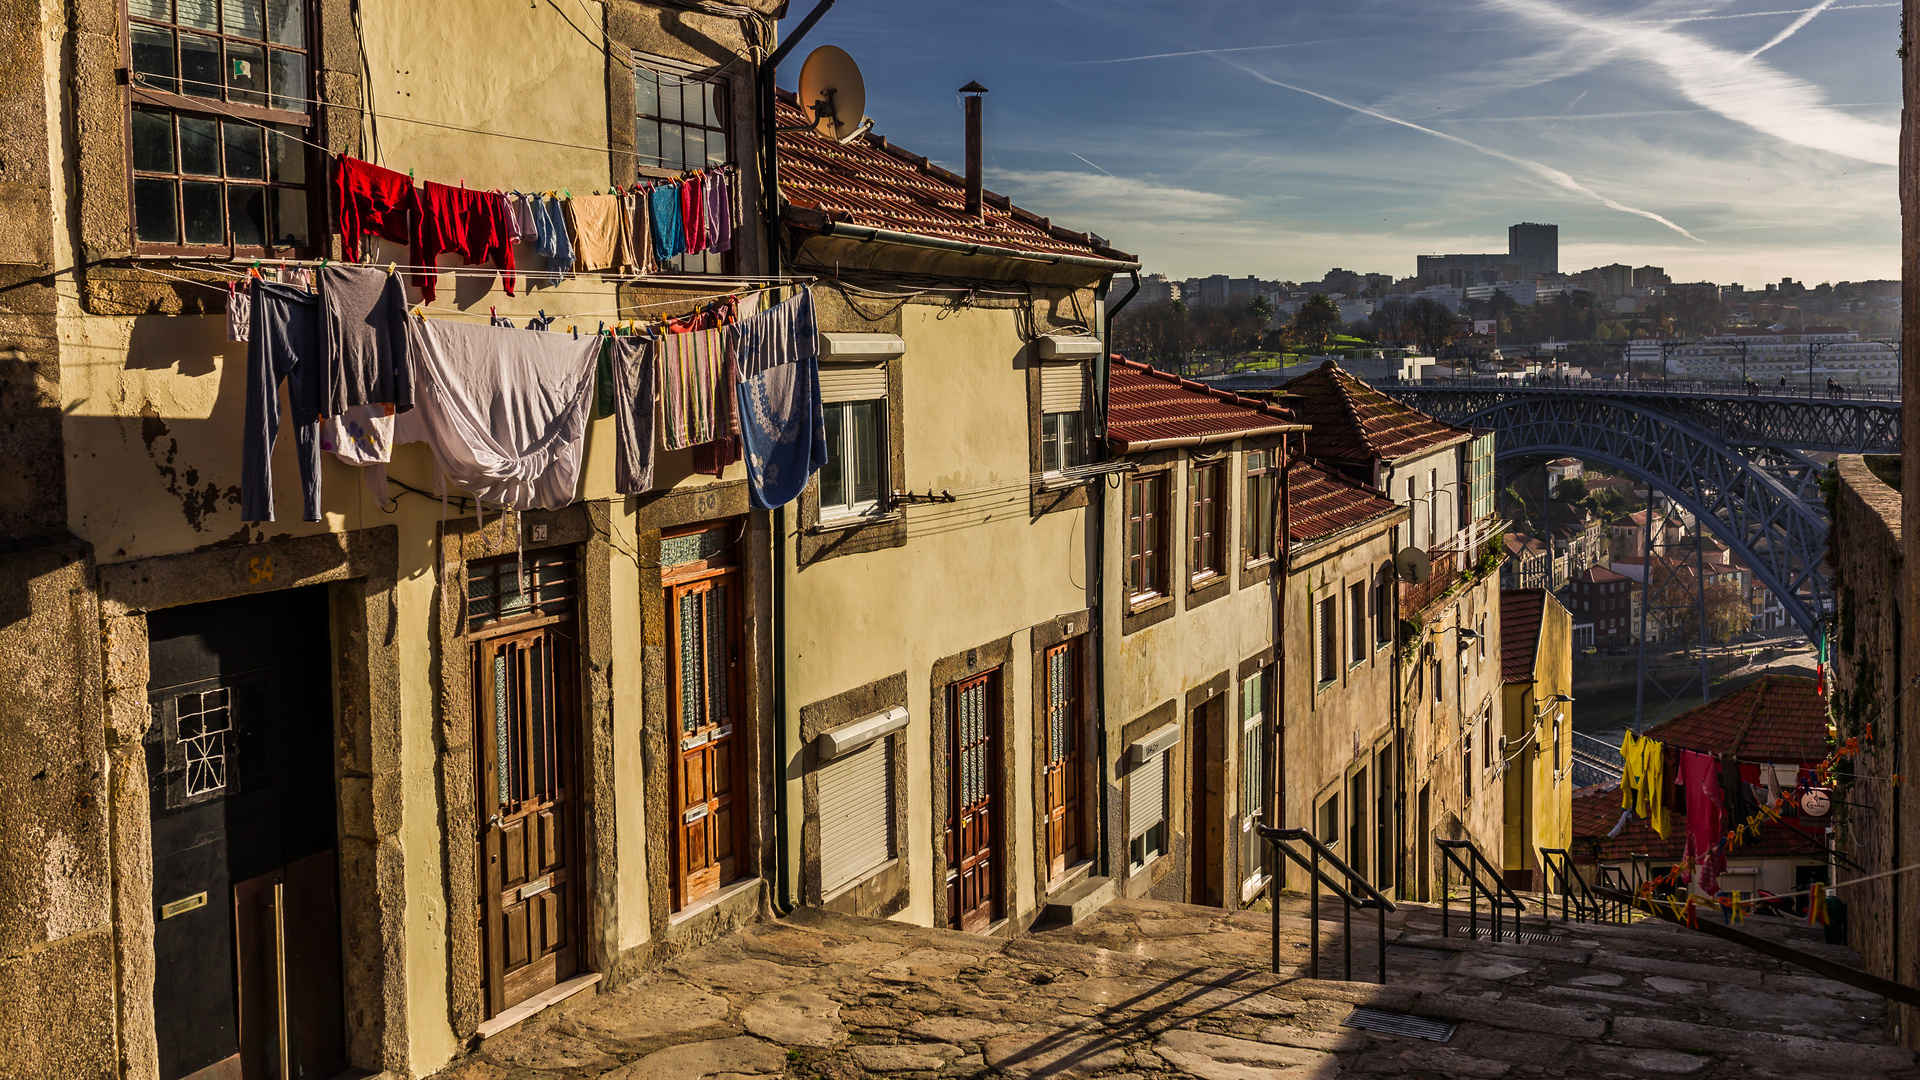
[853,382]
[1146,796]
[1063,387]
[856,814]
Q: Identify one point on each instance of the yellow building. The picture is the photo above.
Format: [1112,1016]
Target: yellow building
[1536,731]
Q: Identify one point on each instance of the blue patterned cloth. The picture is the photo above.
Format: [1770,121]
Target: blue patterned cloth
[669,234]
[782,424]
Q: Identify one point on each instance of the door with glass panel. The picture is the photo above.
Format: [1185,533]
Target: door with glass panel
[973,827]
[526,676]
[1063,768]
[1253,778]
[709,742]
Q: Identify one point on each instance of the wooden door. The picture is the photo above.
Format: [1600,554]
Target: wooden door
[708,748]
[526,685]
[973,826]
[1199,812]
[1064,768]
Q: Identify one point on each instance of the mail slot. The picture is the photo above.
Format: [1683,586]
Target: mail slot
[535,888]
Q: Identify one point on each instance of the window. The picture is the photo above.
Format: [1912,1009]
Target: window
[1481,627]
[1146,536]
[1486,739]
[1253,774]
[1060,445]
[1147,811]
[1439,688]
[1466,763]
[1383,609]
[854,479]
[1260,519]
[1327,822]
[1209,519]
[856,814]
[1413,511]
[680,125]
[1329,640]
[220,115]
[1433,505]
[1357,622]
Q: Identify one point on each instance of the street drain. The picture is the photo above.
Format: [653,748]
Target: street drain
[1486,934]
[1415,952]
[1393,1023]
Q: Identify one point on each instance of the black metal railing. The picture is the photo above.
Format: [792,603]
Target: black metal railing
[1498,895]
[1578,903]
[1356,893]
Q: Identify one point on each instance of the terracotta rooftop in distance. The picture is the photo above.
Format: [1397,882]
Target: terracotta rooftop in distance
[1599,574]
[1521,613]
[1595,812]
[1148,408]
[873,183]
[1354,423]
[1322,502]
[1774,718]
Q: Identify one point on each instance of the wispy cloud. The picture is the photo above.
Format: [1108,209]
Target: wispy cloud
[1741,88]
[1112,195]
[1717,17]
[1551,175]
[1218,52]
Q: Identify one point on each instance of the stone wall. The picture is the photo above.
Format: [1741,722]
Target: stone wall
[1865,549]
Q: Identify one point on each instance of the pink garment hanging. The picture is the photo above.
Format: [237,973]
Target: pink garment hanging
[1706,817]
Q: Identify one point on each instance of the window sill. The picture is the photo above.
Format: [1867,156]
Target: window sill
[852,521]
[1147,603]
[860,879]
[1136,869]
[1255,564]
[1061,483]
[1204,579]
[1324,686]
[1254,886]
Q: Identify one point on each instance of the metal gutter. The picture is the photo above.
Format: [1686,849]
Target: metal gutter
[1208,440]
[867,234]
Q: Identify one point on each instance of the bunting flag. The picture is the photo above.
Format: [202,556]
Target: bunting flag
[1820,665]
[1817,906]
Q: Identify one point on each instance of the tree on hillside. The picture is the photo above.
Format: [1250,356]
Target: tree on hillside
[1570,490]
[1689,310]
[1160,334]
[1432,324]
[1390,319]
[1316,320]
[1261,309]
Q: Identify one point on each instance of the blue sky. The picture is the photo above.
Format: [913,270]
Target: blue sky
[1726,141]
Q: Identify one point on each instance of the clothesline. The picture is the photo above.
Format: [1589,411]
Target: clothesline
[242,261]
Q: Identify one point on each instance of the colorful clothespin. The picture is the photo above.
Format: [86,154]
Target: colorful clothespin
[391,268]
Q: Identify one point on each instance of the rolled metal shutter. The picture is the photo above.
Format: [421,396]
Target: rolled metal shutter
[1146,796]
[1063,387]
[853,382]
[856,814]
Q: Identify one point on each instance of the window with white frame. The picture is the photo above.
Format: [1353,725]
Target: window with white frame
[1063,389]
[1147,811]
[856,814]
[1357,622]
[1263,475]
[1329,633]
[853,482]
[1253,774]
[681,119]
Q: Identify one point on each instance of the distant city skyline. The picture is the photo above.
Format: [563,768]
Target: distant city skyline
[1725,141]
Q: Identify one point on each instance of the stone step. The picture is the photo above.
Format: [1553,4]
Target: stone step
[1079,901]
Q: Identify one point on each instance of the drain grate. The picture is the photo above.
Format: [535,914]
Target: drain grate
[1534,936]
[1393,1023]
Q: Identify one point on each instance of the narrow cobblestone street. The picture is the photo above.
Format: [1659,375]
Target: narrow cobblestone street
[1156,989]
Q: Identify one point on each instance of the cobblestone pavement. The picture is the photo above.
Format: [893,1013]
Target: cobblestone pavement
[1148,989]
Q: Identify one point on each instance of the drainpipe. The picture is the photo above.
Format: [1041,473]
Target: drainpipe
[1278,815]
[1098,575]
[783,901]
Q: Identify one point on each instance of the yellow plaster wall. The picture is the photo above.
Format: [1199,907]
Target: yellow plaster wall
[1539,789]
[971,572]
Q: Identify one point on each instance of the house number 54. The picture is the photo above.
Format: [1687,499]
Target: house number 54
[259,569]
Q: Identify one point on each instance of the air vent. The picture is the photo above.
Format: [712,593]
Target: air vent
[1393,1023]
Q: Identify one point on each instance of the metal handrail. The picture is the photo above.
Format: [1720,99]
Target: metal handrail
[1500,896]
[1370,897]
[1574,893]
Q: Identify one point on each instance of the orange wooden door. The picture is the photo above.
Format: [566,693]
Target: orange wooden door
[708,743]
[973,841]
[1063,768]
[526,701]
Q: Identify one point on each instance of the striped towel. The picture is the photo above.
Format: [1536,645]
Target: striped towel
[692,374]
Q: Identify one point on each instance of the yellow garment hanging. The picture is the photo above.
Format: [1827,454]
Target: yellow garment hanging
[1642,770]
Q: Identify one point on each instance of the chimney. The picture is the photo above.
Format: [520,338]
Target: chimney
[973,90]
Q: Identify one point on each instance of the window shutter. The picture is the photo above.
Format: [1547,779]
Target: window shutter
[856,814]
[1146,796]
[1063,387]
[852,382]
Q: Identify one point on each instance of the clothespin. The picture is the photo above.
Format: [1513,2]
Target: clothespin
[576,332]
[565,193]
[390,269]
[602,330]
[492,311]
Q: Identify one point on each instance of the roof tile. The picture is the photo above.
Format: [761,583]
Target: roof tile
[1145,404]
[1353,422]
[1774,718]
[1596,810]
[1321,502]
[1521,612]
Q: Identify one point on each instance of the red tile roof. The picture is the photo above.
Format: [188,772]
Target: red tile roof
[1774,718]
[1597,574]
[1322,502]
[1147,407]
[1521,613]
[1596,810]
[1353,422]
[873,183]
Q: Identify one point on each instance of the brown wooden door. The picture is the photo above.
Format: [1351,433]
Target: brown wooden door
[1064,767]
[527,708]
[973,826]
[704,629]
[1200,821]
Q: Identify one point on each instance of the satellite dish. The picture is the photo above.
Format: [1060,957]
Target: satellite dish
[833,92]
[1411,565]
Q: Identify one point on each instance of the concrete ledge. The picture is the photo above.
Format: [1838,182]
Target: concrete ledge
[1075,903]
[538,1003]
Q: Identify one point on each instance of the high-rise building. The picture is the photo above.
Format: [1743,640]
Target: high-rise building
[1535,247]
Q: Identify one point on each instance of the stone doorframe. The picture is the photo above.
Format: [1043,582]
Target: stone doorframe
[946,672]
[359,568]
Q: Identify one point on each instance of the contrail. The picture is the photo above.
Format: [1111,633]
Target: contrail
[1231,49]
[1091,163]
[1546,172]
[1793,27]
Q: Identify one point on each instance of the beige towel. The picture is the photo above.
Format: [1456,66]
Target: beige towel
[599,234]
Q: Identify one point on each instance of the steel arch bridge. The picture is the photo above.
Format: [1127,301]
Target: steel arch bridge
[1738,463]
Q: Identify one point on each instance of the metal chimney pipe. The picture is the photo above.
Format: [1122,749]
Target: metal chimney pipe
[973,90]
